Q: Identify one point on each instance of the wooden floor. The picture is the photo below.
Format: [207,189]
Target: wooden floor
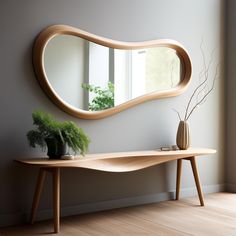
[175,218]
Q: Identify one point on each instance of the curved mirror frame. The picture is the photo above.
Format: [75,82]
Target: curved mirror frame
[47,34]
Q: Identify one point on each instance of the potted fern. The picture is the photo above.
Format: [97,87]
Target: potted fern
[56,136]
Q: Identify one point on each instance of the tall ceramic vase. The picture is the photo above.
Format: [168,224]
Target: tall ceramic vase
[183,137]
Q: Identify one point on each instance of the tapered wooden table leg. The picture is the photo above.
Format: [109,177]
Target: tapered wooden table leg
[178,178]
[37,194]
[197,181]
[56,199]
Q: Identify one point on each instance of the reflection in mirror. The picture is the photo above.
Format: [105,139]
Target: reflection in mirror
[93,77]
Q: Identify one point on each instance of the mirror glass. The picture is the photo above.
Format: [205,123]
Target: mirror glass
[93,77]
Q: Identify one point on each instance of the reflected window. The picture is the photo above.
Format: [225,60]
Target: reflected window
[143,71]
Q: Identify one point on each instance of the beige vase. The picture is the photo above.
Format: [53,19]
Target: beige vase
[183,137]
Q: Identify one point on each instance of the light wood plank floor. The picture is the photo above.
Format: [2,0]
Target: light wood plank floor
[169,218]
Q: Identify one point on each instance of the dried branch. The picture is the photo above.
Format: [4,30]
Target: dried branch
[202,92]
[204,97]
[201,74]
[204,73]
[177,113]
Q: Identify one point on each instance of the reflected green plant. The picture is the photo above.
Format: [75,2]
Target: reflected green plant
[104,97]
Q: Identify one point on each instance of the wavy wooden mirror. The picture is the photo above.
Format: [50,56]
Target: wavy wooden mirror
[92,77]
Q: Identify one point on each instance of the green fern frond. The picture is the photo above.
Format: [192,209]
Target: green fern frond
[62,132]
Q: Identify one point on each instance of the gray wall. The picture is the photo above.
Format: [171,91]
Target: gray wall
[230,47]
[145,126]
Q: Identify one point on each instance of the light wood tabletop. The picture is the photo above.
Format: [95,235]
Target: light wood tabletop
[111,162]
[118,161]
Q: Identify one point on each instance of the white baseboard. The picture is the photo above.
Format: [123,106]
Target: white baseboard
[230,187]
[12,219]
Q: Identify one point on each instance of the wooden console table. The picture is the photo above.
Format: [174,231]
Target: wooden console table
[110,162]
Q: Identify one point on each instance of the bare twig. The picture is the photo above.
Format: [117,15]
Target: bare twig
[204,73]
[177,113]
[204,97]
[201,74]
[201,93]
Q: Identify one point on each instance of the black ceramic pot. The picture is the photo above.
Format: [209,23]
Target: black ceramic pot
[56,148]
